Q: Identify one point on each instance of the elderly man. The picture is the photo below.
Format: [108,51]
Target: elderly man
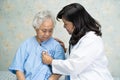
[27,63]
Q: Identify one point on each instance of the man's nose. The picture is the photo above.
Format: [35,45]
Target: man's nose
[47,33]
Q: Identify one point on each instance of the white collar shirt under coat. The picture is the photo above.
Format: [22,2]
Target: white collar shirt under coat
[87,60]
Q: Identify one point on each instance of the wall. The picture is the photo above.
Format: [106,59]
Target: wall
[16,18]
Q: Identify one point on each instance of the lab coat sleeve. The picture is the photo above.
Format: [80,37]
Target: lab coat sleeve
[81,56]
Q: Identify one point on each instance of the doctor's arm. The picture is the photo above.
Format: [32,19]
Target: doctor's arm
[49,58]
[80,58]
[49,61]
[59,54]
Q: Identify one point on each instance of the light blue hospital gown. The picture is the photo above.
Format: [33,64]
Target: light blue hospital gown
[28,58]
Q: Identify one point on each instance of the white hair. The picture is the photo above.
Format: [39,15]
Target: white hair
[40,17]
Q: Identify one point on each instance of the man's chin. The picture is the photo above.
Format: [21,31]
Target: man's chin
[46,39]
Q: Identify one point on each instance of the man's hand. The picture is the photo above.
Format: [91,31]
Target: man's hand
[20,75]
[54,77]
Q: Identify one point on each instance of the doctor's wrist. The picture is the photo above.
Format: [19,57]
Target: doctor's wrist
[51,61]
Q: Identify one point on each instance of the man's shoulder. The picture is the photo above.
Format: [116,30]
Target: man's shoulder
[29,40]
[53,41]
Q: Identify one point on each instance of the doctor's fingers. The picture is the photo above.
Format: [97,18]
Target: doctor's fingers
[46,59]
[45,56]
[61,42]
[58,40]
[44,52]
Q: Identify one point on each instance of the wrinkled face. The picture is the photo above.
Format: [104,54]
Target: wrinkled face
[68,26]
[45,30]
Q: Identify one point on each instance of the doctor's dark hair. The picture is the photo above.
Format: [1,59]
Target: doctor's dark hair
[81,20]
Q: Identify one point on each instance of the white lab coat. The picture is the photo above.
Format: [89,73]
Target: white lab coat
[87,60]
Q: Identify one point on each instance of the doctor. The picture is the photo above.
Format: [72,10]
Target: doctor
[86,58]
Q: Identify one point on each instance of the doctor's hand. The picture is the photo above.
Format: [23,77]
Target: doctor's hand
[46,58]
[61,43]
